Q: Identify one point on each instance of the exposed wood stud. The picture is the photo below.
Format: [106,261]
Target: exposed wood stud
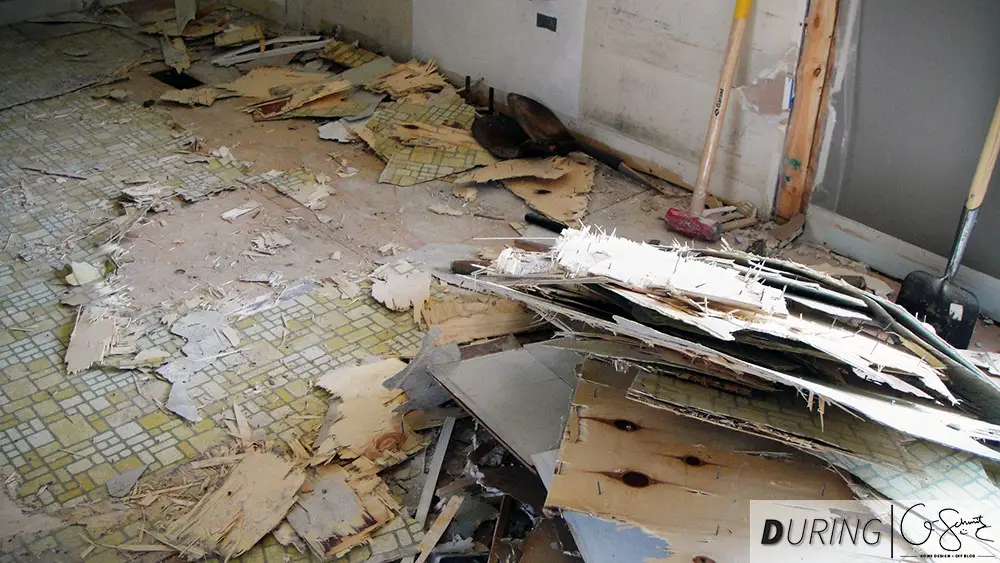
[805,123]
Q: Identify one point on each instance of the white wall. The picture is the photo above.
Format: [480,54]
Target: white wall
[498,40]
[650,71]
[637,75]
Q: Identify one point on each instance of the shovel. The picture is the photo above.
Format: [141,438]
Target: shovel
[550,137]
[950,309]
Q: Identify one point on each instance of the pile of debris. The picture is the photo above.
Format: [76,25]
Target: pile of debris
[713,378]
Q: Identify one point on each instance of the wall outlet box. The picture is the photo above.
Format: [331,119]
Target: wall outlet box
[546,22]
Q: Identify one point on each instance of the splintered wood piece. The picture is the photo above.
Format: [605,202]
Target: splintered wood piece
[252,500]
[427,494]
[564,198]
[465,321]
[433,535]
[543,168]
[364,423]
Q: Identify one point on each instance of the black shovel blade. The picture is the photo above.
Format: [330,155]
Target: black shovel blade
[950,309]
[500,135]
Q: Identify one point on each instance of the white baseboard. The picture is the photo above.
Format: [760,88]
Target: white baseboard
[894,257]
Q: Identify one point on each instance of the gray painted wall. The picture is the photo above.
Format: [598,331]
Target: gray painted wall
[911,119]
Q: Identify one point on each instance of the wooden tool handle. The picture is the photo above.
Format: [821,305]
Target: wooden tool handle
[987,161]
[736,32]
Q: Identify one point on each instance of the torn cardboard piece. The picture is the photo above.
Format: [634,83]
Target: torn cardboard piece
[542,168]
[564,198]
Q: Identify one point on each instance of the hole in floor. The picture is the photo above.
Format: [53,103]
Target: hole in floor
[176,79]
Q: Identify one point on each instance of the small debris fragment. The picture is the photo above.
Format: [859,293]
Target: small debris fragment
[121,485]
[442,209]
[468,194]
[400,292]
[335,131]
[83,273]
[269,242]
[237,212]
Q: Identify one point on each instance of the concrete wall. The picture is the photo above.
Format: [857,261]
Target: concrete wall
[651,68]
[916,89]
[638,75]
[501,43]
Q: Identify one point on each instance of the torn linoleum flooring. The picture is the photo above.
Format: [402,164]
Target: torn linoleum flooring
[406,112]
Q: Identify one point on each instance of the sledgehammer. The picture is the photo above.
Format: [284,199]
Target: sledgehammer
[692,223]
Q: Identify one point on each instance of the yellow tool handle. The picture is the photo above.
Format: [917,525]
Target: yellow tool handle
[742,10]
[987,161]
[720,103]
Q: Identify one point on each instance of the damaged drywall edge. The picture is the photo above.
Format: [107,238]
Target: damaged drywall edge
[778,76]
[844,63]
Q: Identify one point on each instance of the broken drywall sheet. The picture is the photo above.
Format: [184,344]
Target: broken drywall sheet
[184,12]
[208,336]
[268,242]
[82,273]
[204,96]
[92,335]
[310,194]
[506,391]
[401,292]
[251,502]
[422,390]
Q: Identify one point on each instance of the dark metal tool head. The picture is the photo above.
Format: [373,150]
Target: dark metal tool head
[950,309]
[538,121]
[500,135]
